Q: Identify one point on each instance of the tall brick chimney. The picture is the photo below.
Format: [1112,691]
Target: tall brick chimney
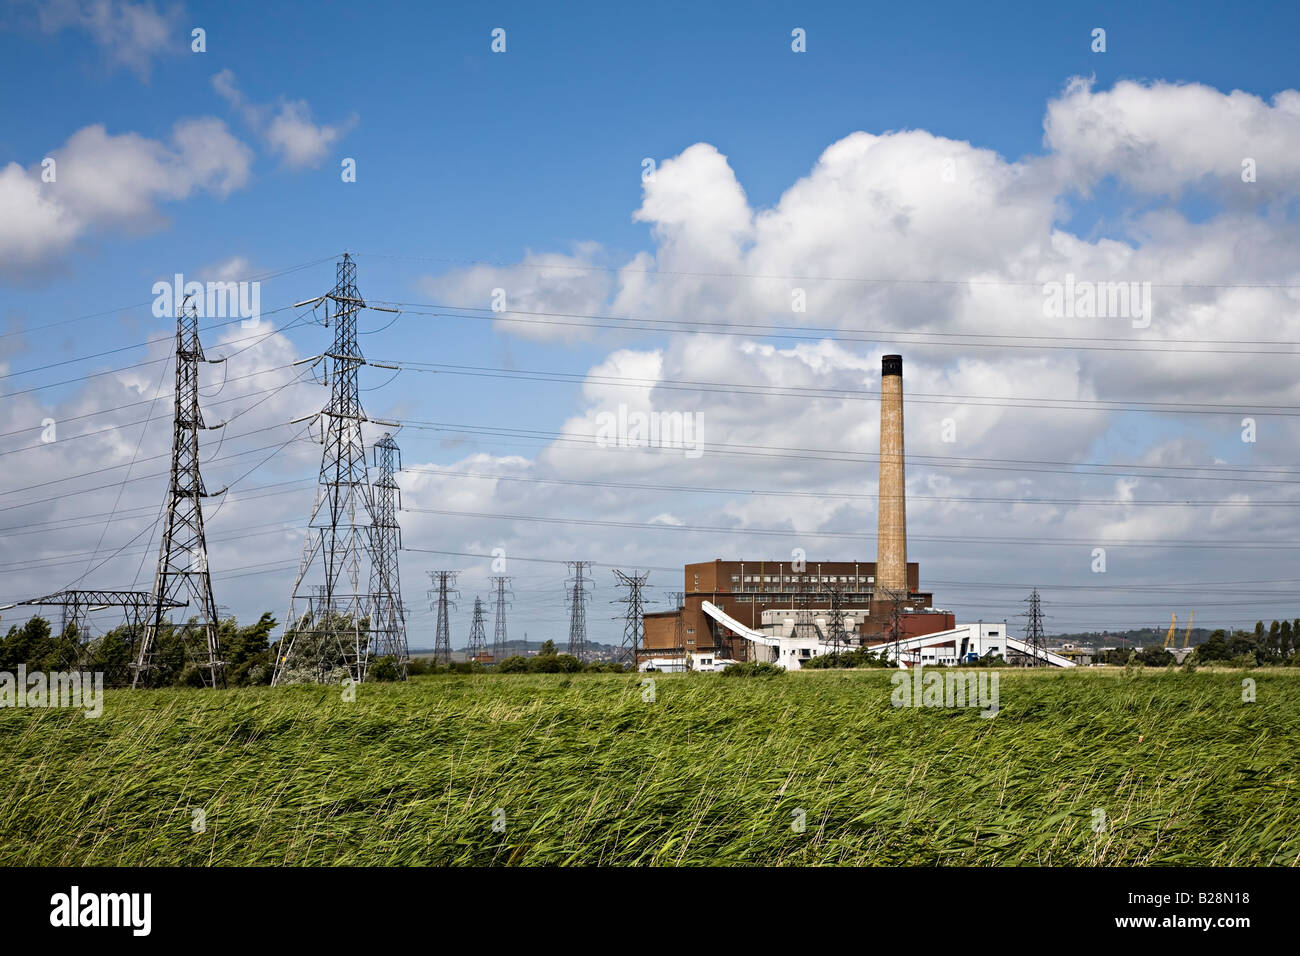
[891,505]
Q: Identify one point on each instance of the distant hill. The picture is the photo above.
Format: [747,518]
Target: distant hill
[1134,637]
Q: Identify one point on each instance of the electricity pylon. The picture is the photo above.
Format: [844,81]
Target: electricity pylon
[477,633]
[577,596]
[446,591]
[389,621]
[1034,628]
[183,553]
[634,626]
[331,631]
[502,584]
[838,636]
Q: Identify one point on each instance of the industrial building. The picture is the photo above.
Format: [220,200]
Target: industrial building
[789,611]
[782,597]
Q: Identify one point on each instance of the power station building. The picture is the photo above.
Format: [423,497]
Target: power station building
[785,597]
[783,611]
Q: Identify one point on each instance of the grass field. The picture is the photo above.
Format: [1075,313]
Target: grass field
[712,771]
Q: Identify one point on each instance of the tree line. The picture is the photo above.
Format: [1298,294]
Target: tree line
[245,650]
[1277,645]
[248,652]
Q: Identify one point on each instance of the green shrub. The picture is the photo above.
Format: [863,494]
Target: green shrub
[383,669]
[554,664]
[753,669]
[857,657]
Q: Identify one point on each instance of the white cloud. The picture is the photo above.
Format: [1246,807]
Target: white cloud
[1163,137]
[232,269]
[551,283]
[131,34]
[287,127]
[898,233]
[105,181]
[908,208]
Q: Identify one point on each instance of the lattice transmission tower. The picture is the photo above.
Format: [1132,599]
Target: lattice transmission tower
[389,620]
[445,602]
[183,554]
[330,631]
[477,633]
[577,590]
[1034,636]
[839,638]
[634,619]
[75,607]
[501,584]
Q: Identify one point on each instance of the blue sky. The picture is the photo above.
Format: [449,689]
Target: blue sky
[466,156]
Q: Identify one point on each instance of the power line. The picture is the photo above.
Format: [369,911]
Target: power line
[262,277]
[124,368]
[846,394]
[89,474]
[971,340]
[793,533]
[588,443]
[119,407]
[821,495]
[872,280]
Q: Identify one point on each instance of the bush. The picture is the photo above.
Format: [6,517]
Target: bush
[1155,656]
[753,669]
[554,664]
[513,665]
[857,657]
[384,669]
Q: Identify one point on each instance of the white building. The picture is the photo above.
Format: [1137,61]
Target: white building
[781,643]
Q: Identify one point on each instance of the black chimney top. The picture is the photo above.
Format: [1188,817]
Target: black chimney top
[891,365]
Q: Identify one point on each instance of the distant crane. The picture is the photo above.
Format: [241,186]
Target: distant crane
[1188,635]
[1169,637]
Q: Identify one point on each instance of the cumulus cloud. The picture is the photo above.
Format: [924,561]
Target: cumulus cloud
[104,466]
[1164,137]
[915,243]
[287,126]
[533,298]
[101,181]
[132,35]
[900,242]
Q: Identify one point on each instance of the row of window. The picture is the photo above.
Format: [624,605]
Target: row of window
[802,578]
[774,597]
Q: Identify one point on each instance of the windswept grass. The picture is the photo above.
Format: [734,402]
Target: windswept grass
[711,771]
